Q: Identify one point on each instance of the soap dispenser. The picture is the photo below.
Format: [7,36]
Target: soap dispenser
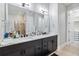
[17,35]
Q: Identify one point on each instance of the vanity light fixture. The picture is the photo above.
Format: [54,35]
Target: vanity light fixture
[23,4]
[26,5]
[43,10]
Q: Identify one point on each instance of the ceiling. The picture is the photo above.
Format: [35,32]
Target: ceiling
[67,4]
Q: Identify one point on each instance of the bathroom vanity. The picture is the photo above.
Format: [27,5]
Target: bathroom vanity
[37,47]
[25,30]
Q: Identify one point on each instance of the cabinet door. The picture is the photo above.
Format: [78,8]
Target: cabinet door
[52,44]
[45,47]
[38,47]
[16,53]
[29,51]
[2,10]
[38,50]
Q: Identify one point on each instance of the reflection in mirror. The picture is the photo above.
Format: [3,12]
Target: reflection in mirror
[22,22]
[41,23]
[15,22]
[30,27]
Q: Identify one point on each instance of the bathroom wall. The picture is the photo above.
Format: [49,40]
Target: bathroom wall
[53,17]
[58,22]
[2,10]
[62,31]
[2,17]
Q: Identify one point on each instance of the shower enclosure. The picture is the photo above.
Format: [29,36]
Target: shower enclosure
[73,23]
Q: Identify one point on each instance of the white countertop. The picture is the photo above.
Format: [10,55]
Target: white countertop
[11,41]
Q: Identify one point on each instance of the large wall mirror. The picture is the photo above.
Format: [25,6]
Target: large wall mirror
[26,22]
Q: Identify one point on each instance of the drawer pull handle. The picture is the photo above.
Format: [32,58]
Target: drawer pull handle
[45,45]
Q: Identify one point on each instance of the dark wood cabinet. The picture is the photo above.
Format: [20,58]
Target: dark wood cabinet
[30,51]
[40,47]
[49,45]
[38,50]
[44,46]
[10,50]
[15,53]
[33,48]
[52,44]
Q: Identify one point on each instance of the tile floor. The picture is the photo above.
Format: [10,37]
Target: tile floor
[71,49]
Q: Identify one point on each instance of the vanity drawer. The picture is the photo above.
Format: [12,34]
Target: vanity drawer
[8,49]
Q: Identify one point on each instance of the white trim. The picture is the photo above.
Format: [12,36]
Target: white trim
[51,53]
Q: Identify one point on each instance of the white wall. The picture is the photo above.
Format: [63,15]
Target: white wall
[57,14]
[62,25]
[2,10]
[53,17]
[2,17]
